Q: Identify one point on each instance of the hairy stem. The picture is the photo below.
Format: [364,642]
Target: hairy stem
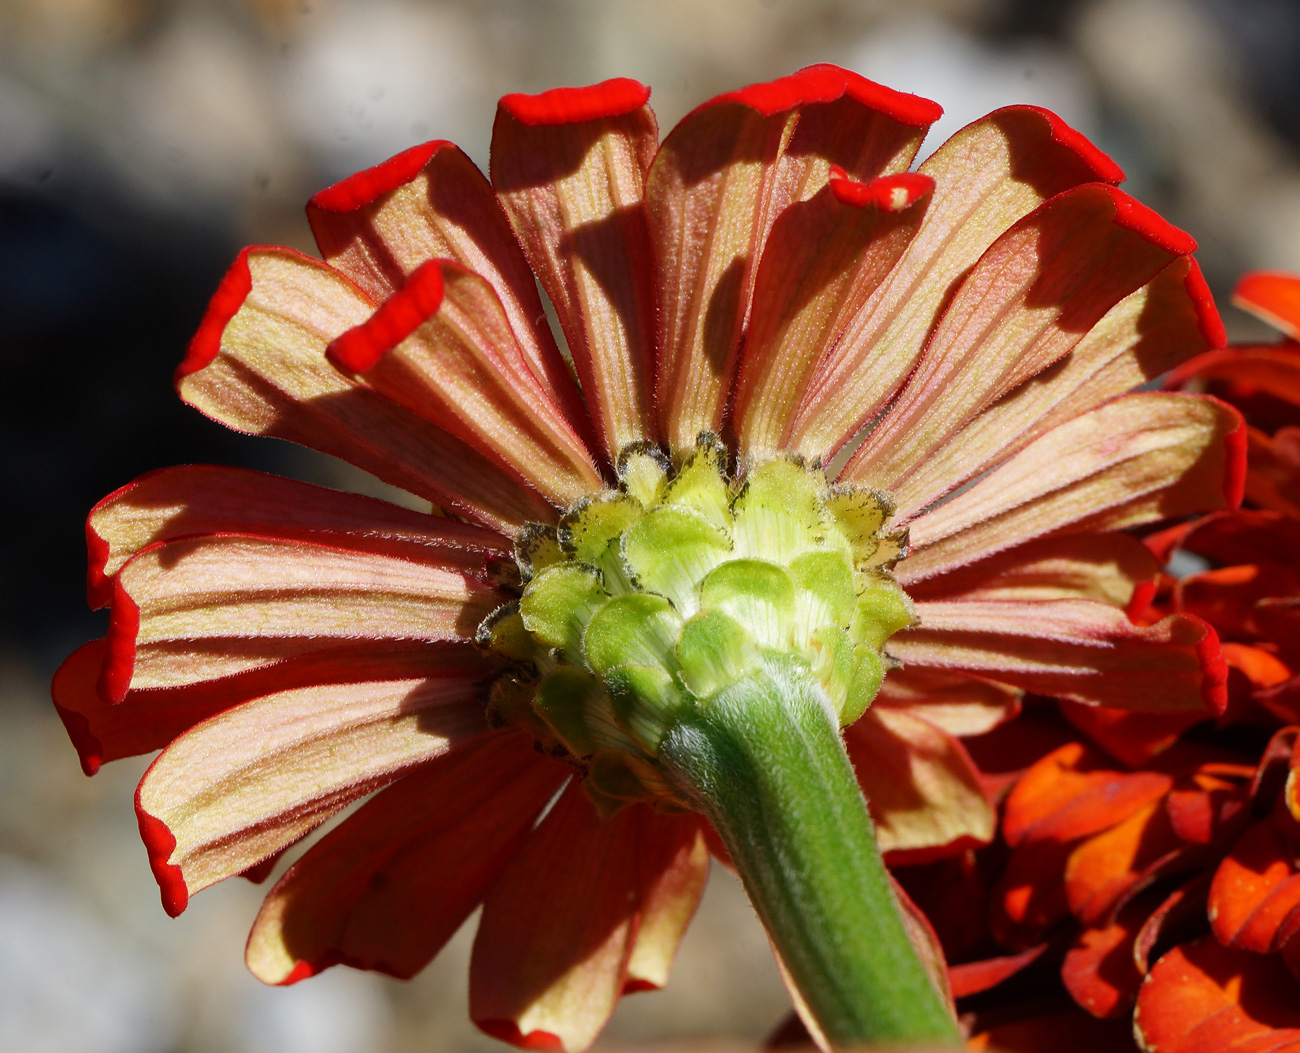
[763,759]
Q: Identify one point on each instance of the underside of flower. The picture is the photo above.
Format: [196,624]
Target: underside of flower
[701,629]
[652,600]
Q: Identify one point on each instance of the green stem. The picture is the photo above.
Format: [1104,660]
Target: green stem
[763,759]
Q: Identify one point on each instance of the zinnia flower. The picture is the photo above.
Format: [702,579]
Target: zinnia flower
[781,338]
[1179,863]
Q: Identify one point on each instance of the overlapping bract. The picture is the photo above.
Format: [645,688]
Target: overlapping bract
[771,273]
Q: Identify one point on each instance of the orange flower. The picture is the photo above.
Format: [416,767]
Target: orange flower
[1182,874]
[954,344]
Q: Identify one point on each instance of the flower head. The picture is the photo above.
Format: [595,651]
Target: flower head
[787,354]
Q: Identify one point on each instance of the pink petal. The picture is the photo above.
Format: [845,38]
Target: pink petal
[388,887]
[569,169]
[442,347]
[247,782]
[1028,301]
[823,258]
[923,790]
[201,499]
[146,720]
[1151,330]
[194,609]
[1103,567]
[1074,649]
[257,365]
[1141,458]
[551,954]
[431,202]
[987,177]
[717,185]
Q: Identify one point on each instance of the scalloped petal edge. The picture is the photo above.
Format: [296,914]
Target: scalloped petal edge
[362,188]
[1214,669]
[826,83]
[1105,169]
[609,98]
[508,1031]
[231,293]
[1235,444]
[119,645]
[1132,215]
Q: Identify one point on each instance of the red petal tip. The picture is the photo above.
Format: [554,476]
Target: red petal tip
[1106,170]
[1214,670]
[1207,312]
[119,646]
[159,843]
[359,190]
[892,193]
[826,83]
[1273,296]
[1132,215]
[300,971]
[508,1031]
[89,749]
[636,986]
[99,589]
[398,317]
[610,98]
[225,303]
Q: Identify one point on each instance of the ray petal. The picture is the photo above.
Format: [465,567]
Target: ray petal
[250,781]
[442,347]
[987,177]
[198,608]
[389,886]
[717,185]
[431,202]
[569,168]
[257,365]
[1136,460]
[1030,299]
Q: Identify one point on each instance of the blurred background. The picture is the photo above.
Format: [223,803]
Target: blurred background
[142,142]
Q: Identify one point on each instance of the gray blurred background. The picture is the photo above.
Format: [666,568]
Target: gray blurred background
[143,141]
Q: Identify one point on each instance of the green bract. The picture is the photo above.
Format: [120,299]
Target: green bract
[649,601]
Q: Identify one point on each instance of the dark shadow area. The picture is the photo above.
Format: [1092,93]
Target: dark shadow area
[94,323]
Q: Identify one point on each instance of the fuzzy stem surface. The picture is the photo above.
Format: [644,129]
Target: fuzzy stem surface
[765,762]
